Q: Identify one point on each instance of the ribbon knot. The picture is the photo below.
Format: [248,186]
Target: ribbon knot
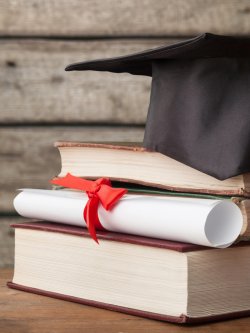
[91,195]
[98,191]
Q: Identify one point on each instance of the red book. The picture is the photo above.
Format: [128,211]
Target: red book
[157,279]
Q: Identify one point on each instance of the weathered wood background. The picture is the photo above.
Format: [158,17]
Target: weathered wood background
[40,103]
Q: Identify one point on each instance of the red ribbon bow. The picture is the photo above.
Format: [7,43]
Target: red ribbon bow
[99,190]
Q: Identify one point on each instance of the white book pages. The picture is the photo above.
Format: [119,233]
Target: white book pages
[215,223]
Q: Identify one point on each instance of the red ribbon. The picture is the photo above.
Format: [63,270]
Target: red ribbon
[99,190]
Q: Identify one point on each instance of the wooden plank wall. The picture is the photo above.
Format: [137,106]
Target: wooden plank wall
[40,103]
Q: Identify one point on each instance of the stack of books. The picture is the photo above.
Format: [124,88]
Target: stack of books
[173,245]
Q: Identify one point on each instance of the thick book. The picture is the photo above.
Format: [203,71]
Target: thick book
[164,280]
[135,164]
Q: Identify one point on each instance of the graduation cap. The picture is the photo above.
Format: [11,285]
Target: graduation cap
[199,111]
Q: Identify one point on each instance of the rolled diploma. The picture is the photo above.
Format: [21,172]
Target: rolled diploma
[215,223]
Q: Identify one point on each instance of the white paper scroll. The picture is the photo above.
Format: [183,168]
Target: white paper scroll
[215,223]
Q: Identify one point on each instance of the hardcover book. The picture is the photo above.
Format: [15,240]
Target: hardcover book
[158,279]
[135,164]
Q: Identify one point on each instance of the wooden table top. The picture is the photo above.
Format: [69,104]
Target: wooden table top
[22,312]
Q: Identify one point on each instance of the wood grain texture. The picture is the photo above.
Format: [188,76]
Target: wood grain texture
[7,240]
[35,88]
[29,159]
[123,18]
[24,312]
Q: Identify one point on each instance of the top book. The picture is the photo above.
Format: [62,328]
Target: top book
[132,163]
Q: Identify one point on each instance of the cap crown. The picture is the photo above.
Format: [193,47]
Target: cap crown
[199,112]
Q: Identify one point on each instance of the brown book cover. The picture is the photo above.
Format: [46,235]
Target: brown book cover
[110,236]
[183,319]
[116,237]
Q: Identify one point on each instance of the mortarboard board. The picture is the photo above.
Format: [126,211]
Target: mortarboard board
[199,111]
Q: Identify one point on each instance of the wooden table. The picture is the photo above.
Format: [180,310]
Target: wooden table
[22,312]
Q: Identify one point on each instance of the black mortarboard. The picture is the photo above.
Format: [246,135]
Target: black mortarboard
[199,112]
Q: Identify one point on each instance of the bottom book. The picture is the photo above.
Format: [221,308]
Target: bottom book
[164,280]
